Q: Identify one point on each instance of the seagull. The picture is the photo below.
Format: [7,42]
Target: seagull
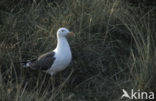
[56,60]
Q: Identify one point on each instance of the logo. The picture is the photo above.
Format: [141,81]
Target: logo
[137,94]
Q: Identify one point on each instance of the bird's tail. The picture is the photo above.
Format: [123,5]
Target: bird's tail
[26,64]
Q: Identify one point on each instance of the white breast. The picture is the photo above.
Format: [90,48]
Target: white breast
[62,56]
[61,62]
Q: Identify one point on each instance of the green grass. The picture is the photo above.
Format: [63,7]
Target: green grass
[114,48]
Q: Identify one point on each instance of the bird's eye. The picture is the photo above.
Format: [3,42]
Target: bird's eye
[62,30]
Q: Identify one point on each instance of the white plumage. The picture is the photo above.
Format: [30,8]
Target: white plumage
[56,60]
[63,54]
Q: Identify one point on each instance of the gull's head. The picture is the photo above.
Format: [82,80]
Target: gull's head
[63,32]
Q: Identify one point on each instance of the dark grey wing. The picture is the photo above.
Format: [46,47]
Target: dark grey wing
[43,62]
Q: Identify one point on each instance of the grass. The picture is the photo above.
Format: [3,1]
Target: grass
[114,49]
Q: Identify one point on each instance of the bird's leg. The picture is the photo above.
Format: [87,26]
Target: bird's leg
[60,78]
[52,78]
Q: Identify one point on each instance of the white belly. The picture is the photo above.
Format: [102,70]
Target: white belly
[61,62]
[62,56]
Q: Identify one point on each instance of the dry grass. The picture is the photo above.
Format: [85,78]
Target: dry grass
[114,49]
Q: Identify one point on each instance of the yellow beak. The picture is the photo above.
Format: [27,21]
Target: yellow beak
[71,34]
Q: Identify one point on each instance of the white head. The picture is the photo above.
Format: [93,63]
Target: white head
[63,32]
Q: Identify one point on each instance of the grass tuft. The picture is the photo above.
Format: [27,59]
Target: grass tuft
[114,49]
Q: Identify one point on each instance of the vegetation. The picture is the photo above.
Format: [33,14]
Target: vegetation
[114,48]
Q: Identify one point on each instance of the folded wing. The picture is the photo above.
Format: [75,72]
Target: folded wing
[44,62]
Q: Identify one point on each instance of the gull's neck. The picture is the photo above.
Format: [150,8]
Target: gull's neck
[62,44]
